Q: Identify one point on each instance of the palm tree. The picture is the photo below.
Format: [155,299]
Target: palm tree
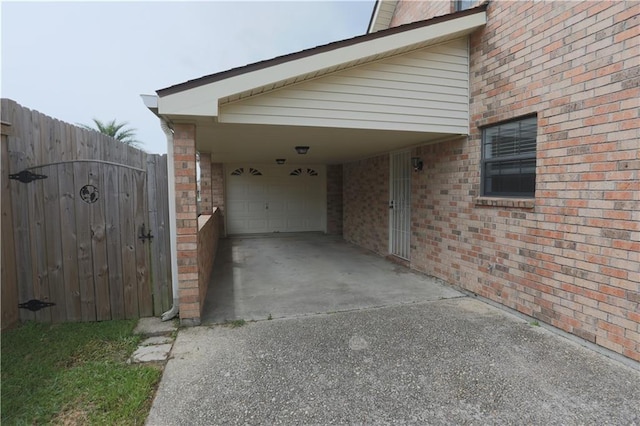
[116,131]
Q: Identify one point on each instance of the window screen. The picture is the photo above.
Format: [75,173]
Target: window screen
[509,158]
[463,4]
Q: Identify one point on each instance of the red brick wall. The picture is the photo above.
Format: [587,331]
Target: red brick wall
[205,206]
[442,211]
[412,11]
[184,152]
[334,199]
[575,259]
[571,257]
[208,236]
[366,203]
[217,192]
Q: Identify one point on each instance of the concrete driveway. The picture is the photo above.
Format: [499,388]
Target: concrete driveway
[300,274]
[404,350]
[445,362]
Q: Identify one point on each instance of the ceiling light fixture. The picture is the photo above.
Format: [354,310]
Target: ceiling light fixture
[302,149]
[280,160]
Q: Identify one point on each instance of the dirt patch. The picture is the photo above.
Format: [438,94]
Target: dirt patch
[72,416]
[475,306]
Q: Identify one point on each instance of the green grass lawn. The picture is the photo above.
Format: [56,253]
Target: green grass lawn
[74,373]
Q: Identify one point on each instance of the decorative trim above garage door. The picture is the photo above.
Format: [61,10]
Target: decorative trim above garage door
[303,172]
[240,171]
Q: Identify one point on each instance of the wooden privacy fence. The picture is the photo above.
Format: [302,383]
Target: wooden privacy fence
[92,237]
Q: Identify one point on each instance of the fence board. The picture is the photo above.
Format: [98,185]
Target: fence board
[81,149]
[84,246]
[8,275]
[20,198]
[128,243]
[53,233]
[67,148]
[53,247]
[159,219]
[68,223]
[114,252]
[145,301]
[86,272]
[69,241]
[103,284]
[36,136]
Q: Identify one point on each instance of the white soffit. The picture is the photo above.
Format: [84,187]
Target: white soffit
[204,99]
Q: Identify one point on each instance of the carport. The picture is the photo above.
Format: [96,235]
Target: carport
[272,137]
[291,275]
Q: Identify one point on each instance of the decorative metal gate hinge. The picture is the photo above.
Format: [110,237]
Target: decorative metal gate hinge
[144,236]
[26,176]
[35,305]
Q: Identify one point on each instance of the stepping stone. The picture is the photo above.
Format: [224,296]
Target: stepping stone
[156,340]
[153,353]
[153,326]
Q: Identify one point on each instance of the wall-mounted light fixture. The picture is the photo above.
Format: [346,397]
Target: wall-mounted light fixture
[280,160]
[417,164]
[302,149]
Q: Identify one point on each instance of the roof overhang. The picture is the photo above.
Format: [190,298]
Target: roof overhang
[200,101]
[202,97]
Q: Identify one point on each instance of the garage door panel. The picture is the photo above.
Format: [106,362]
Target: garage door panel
[276,200]
[257,225]
[256,190]
[277,206]
[296,223]
[300,192]
[239,193]
[279,186]
[277,224]
[244,188]
[238,207]
[246,226]
[255,207]
[313,222]
[297,207]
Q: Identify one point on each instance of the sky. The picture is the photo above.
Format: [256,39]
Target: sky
[76,61]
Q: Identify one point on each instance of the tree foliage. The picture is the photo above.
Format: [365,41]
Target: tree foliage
[118,131]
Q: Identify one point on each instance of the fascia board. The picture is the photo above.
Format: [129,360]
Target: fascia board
[374,17]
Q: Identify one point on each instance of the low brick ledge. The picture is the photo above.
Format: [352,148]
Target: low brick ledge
[520,203]
[203,219]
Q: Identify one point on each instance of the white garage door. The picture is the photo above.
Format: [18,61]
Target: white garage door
[264,198]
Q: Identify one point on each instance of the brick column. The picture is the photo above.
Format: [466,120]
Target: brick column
[217,191]
[184,151]
[206,206]
[334,199]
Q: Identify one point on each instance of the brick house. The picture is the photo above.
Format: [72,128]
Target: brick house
[495,146]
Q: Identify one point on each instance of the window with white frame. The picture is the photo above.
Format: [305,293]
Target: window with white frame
[463,4]
[509,158]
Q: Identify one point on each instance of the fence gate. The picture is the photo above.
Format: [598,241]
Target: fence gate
[83,224]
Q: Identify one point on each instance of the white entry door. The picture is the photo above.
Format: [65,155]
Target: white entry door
[400,204]
[264,198]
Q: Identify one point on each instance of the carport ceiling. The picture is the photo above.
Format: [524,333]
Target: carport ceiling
[242,143]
